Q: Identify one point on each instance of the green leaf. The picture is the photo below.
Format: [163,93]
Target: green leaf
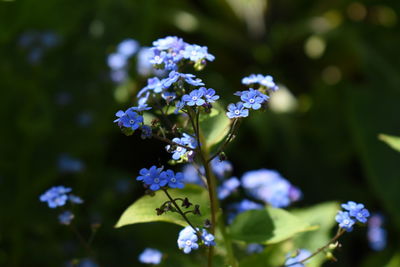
[392,141]
[144,209]
[215,126]
[323,217]
[266,226]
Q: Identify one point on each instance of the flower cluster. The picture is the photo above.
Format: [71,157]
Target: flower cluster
[252,99]
[151,256]
[296,260]
[377,235]
[36,43]
[270,187]
[58,196]
[132,120]
[171,51]
[119,60]
[155,178]
[180,150]
[190,239]
[354,213]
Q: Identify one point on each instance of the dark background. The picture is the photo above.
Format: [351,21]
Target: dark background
[339,60]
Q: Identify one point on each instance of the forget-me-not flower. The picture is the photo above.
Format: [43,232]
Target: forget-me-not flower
[150,256]
[237,111]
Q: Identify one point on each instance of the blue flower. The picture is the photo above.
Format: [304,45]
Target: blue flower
[187,240]
[150,256]
[194,98]
[117,61]
[302,254]
[357,210]
[168,96]
[173,180]
[146,132]
[178,106]
[344,220]
[75,199]
[190,174]
[236,208]
[155,84]
[254,248]
[68,164]
[158,57]
[169,42]
[237,111]
[66,217]
[151,177]
[377,235]
[208,238]
[130,119]
[56,196]
[209,94]
[180,151]
[174,76]
[266,81]
[119,75]
[228,187]
[197,53]
[253,99]
[221,168]
[128,47]
[141,108]
[270,187]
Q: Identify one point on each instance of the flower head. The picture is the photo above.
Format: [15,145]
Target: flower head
[377,235]
[295,261]
[128,47]
[173,180]
[253,99]
[266,81]
[66,217]
[197,53]
[237,110]
[357,211]
[209,94]
[345,221]
[187,240]
[208,238]
[150,256]
[56,196]
[194,98]
[228,187]
[146,132]
[130,119]
[151,177]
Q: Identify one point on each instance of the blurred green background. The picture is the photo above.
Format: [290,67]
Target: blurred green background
[337,63]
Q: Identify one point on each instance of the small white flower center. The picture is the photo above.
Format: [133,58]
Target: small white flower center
[237,112]
[131,121]
[188,243]
[359,214]
[346,221]
[173,180]
[157,58]
[179,149]
[194,98]
[156,180]
[194,53]
[251,100]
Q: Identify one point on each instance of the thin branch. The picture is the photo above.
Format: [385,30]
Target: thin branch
[230,135]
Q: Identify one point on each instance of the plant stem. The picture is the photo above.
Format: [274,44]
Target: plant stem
[230,135]
[181,212]
[334,239]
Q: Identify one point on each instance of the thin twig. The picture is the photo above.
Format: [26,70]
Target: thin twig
[230,135]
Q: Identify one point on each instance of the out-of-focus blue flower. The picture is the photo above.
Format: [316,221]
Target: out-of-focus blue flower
[253,99]
[75,199]
[237,111]
[128,47]
[169,42]
[130,119]
[377,235]
[84,119]
[190,174]
[295,261]
[50,39]
[266,81]
[208,239]
[56,196]
[178,106]
[150,256]
[194,98]
[66,217]
[168,96]
[141,108]
[228,187]
[156,84]
[68,164]
[35,55]
[146,132]
[236,208]
[118,75]
[173,180]
[357,211]
[187,240]
[117,61]
[221,168]
[209,94]
[345,221]
[270,187]
[143,65]
[254,248]
[197,53]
